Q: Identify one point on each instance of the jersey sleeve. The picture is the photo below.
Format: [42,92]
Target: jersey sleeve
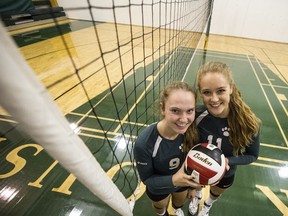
[249,156]
[144,164]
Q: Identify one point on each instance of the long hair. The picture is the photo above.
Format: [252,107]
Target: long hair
[191,135]
[243,123]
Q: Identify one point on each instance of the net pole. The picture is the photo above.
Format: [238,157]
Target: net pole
[197,47]
[28,101]
[208,25]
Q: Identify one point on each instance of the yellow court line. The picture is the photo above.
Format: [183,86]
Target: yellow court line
[101,137]
[108,132]
[281,97]
[274,199]
[284,191]
[274,146]
[272,160]
[2,139]
[7,120]
[265,165]
[96,136]
[106,119]
[267,99]
[92,116]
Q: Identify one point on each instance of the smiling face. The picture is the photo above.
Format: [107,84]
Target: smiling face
[178,111]
[215,91]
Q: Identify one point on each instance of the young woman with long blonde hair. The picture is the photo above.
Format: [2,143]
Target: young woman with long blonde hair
[227,121]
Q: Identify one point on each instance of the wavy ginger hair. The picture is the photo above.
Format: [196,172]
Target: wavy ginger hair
[243,123]
[191,135]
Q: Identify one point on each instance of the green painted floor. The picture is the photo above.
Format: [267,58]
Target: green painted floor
[35,184]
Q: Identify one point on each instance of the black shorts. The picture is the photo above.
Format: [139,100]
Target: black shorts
[226,182]
[157,197]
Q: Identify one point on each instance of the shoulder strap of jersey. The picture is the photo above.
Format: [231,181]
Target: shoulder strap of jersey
[156,146]
[201,117]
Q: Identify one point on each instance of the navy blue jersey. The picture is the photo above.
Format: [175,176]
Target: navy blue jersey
[216,131]
[157,159]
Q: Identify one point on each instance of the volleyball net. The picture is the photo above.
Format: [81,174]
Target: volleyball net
[105,68]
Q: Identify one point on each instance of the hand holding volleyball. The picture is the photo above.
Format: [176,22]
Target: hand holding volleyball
[180,178]
[205,163]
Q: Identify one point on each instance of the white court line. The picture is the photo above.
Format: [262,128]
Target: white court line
[267,99]
[272,86]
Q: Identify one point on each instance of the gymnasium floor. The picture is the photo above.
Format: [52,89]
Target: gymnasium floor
[31,183]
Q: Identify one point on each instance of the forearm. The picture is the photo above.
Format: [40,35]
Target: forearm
[159,181]
[242,159]
[249,156]
[149,178]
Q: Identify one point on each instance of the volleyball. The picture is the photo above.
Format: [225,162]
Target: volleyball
[205,163]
